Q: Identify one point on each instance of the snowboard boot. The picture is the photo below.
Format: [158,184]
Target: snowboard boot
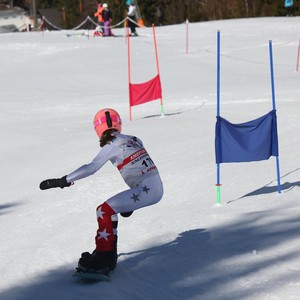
[97,261]
[116,248]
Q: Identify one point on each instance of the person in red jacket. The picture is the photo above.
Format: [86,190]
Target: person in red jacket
[98,14]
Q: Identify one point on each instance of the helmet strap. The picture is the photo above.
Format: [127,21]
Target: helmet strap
[108,119]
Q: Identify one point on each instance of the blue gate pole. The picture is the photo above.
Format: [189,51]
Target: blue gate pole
[274,108]
[218,185]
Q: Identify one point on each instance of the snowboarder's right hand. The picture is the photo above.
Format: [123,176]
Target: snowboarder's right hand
[54,183]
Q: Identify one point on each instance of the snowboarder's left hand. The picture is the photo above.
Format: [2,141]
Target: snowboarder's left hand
[54,183]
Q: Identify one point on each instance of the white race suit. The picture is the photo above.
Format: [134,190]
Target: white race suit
[140,173]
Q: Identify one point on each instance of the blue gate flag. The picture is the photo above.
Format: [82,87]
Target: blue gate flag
[251,141]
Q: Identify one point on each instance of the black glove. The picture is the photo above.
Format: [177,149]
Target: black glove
[54,183]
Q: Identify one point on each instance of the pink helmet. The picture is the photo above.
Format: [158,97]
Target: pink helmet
[107,119]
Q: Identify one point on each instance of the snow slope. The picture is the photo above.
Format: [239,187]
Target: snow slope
[186,246]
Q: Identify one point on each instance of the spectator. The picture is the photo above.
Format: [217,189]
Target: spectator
[107,18]
[131,22]
[288,4]
[98,14]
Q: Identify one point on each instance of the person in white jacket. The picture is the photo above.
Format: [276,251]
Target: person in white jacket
[131,21]
[139,172]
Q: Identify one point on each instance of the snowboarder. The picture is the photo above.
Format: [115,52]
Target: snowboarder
[138,170]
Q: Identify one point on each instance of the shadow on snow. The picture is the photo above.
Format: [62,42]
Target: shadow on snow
[267,189]
[5,208]
[206,264]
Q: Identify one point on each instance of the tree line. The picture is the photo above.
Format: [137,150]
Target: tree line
[163,12]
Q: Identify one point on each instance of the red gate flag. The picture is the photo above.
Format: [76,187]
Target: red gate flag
[144,92]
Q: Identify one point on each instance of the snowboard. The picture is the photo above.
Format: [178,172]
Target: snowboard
[92,276]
